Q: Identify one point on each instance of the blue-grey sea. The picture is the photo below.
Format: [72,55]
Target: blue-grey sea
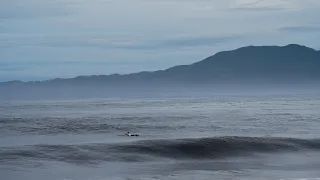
[260,137]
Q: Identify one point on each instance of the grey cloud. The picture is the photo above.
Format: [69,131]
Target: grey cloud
[252,9]
[12,68]
[301,29]
[4,64]
[10,64]
[259,5]
[22,9]
[19,66]
[187,42]
[113,44]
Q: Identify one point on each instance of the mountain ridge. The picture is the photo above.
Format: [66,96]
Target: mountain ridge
[247,70]
[242,52]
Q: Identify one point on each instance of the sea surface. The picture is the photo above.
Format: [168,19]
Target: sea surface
[224,137]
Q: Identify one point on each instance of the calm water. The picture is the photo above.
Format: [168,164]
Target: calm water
[261,137]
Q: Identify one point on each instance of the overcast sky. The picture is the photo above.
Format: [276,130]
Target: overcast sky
[43,39]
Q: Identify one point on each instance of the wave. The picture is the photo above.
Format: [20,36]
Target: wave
[148,150]
[218,147]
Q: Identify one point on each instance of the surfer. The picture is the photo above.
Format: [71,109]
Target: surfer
[129,134]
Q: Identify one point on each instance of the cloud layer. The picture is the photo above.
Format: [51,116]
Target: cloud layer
[80,37]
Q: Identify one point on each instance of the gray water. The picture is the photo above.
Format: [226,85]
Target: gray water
[232,137]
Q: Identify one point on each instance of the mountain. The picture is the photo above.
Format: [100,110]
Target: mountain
[253,65]
[288,64]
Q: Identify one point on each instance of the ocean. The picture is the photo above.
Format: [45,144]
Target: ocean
[224,137]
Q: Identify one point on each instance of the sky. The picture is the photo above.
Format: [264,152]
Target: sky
[45,39]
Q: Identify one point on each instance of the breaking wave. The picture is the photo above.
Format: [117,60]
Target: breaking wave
[149,150]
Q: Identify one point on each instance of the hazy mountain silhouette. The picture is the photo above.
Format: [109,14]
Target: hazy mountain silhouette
[252,65]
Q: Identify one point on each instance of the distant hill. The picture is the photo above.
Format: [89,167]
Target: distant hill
[255,65]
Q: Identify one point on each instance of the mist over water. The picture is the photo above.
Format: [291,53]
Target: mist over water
[221,137]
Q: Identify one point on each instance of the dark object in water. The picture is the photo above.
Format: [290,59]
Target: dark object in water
[129,134]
